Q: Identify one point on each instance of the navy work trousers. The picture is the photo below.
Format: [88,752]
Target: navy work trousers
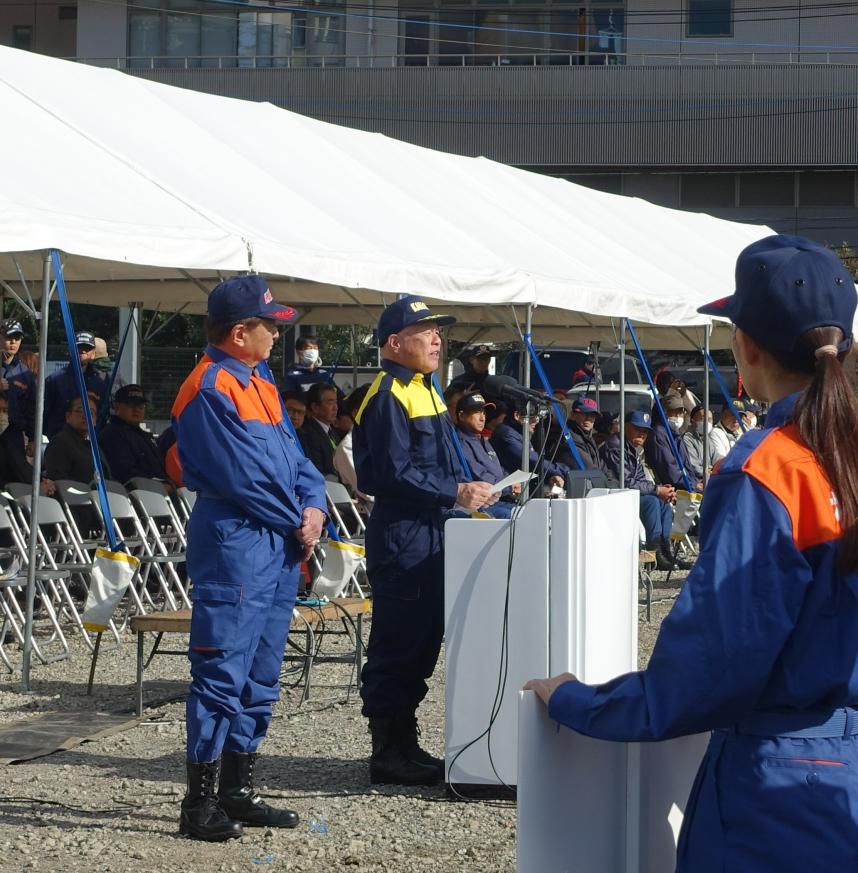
[656,517]
[772,805]
[405,565]
[245,581]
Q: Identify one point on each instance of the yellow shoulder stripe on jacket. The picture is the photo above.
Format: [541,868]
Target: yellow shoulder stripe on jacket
[417,400]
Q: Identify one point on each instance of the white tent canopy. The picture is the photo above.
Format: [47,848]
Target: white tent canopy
[143,185]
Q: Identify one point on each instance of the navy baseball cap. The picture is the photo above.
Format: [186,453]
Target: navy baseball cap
[785,286]
[586,404]
[133,394]
[85,338]
[639,418]
[12,327]
[481,351]
[404,312]
[245,297]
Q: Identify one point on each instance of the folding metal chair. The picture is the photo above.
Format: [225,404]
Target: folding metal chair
[60,551]
[13,589]
[130,530]
[84,521]
[185,500]
[141,483]
[339,502]
[165,532]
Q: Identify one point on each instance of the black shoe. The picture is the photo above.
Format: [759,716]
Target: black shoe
[389,765]
[202,816]
[408,732]
[238,797]
[666,558]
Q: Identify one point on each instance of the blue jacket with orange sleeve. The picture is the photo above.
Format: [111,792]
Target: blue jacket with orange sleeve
[235,446]
[764,622]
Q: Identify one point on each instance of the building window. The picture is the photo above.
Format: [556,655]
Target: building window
[707,190]
[826,189]
[710,18]
[767,189]
[22,36]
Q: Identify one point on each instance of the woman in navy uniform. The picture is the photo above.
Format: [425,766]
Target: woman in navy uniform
[761,647]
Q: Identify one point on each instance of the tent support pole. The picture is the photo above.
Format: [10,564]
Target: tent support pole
[622,433]
[525,428]
[37,476]
[706,448]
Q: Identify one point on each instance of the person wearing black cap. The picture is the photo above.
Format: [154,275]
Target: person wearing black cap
[130,450]
[761,646]
[16,378]
[61,386]
[259,511]
[404,457]
[476,360]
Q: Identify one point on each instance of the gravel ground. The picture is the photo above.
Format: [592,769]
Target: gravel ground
[112,804]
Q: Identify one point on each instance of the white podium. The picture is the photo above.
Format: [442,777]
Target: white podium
[591,806]
[571,604]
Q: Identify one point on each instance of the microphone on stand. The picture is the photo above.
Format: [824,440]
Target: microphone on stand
[506,386]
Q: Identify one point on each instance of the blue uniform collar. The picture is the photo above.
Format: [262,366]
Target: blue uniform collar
[232,365]
[781,411]
[398,371]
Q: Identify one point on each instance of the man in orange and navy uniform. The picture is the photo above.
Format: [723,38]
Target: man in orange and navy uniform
[260,509]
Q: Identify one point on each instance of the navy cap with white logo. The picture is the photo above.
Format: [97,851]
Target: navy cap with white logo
[85,338]
[472,402]
[639,418]
[404,312]
[12,327]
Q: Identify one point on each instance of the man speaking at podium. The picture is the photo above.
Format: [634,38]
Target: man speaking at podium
[404,456]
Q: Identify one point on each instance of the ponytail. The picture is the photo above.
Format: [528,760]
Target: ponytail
[827,419]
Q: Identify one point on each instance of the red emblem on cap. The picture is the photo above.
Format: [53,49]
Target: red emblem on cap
[284,314]
[719,304]
[268,296]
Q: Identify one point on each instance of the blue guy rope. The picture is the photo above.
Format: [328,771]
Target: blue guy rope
[659,407]
[454,437]
[105,401]
[723,389]
[84,398]
[559,412]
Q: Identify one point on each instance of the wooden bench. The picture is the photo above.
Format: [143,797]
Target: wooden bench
[305,617]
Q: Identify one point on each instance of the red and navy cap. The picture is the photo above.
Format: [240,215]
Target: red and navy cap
[586,404]
[786,286]
[404,312]
[246,297]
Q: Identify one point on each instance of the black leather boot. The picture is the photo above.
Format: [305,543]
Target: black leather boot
[202,816]
[666,559]
[389,764]
[239,799]
[408,732]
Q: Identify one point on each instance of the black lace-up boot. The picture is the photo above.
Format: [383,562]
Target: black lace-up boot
[239,799]
[202,816]
[389,765]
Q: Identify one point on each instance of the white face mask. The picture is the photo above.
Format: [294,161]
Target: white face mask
[308,357]
[676,422]
[751,423]
[701,427]
[4,421]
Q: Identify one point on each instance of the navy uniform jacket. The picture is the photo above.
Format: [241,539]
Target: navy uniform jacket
[61,386]
[21,394]
[585,444]
[764,622]
[300,378]
[130,451]
[402,450]
[662,461]
[481,457]
[69,456]
[319,446]
[635,475]
[507,442]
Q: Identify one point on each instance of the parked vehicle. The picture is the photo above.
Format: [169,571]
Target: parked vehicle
[561,364]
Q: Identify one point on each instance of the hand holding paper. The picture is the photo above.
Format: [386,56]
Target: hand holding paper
[517,478]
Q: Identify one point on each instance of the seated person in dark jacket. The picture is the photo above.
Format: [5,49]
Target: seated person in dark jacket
[659,452]
[61,387]
[581,422]
[508,442]
[317,435]
[69,455]
[130,450]
[476,361]
[478,451]
[14,466]
[656,513]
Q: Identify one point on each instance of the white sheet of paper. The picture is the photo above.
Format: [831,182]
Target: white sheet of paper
[518,477]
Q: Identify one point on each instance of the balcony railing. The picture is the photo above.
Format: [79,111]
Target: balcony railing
[530,59]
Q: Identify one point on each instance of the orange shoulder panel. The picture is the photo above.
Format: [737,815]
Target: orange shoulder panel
[191,386]
[787,466]
[261,404]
